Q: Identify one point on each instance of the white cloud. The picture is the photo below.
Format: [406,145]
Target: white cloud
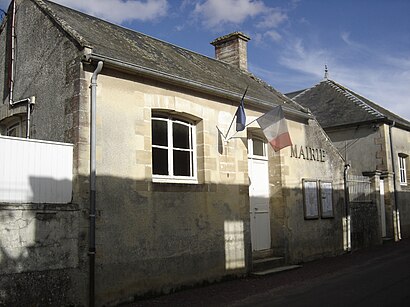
[295,56]
[215,13]
[273,35]
[120,11]
[186,3]
[264,39]
[272,18]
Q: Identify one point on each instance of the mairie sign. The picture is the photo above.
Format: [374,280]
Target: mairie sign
[307,153]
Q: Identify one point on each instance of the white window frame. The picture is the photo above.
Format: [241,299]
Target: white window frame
[402,169]
[171,178]
[250,148]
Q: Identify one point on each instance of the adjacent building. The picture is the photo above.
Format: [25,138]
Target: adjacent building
[373,140]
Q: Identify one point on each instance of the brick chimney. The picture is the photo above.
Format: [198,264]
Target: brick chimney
[232,49]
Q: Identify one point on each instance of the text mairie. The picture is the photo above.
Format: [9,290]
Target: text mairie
[307,153]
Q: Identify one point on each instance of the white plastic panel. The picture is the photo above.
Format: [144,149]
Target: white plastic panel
[33,171]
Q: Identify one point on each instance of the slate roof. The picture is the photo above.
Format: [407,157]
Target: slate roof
[135,48]
[335,105]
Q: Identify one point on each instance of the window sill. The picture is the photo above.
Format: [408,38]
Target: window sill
[160,179]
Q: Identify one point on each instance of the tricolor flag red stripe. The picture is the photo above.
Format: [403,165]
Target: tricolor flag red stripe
[275,128]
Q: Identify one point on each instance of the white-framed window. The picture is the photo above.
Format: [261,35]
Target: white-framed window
[257,148]
[402,169]
[173,150]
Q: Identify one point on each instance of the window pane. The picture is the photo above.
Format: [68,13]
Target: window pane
[182,163]
[159,161]
[159,132]
[13,130]
[258,148]
[402,169]
[181,135]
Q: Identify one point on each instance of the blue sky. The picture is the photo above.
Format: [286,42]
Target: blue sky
[365,43]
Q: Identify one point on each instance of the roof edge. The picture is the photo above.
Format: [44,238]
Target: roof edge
[204,88]
[354,97]
[384,120]
[62,24]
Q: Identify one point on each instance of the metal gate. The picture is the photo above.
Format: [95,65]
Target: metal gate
[359,189]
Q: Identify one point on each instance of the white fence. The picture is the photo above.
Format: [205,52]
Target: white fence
[34,171]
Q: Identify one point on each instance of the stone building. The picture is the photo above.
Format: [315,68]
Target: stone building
[373,140]
[179,200]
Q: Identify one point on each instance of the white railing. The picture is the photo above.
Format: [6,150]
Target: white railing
[34,171]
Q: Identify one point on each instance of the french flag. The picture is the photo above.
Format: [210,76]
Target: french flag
[275,128]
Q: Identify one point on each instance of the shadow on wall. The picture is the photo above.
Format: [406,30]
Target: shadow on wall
[38,247]
[366,219]
[150,237]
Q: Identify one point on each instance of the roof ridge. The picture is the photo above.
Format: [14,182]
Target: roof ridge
[63,24]
[348,94]
[306,91]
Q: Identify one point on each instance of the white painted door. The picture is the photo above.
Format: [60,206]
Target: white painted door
[259,195]
[382,209]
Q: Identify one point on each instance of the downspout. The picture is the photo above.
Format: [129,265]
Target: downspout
[396,214]
[347,221]
[31,101]
[12,53]
[91,251]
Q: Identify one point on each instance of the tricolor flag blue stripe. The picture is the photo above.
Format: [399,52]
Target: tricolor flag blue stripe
[240,115]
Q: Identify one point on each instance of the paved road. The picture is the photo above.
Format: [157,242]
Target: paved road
[379,276]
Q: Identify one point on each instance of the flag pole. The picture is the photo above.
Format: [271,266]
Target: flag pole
[246,126]
[238,131]
[233,118]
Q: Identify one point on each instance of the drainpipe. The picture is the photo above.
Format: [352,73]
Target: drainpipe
[12,54]
[91,251]
[348,242]
[396,214]
[30,102]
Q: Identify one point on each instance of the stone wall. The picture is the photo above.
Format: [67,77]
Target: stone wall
[38,254]
[46,63]
[316,160]
[155,237]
